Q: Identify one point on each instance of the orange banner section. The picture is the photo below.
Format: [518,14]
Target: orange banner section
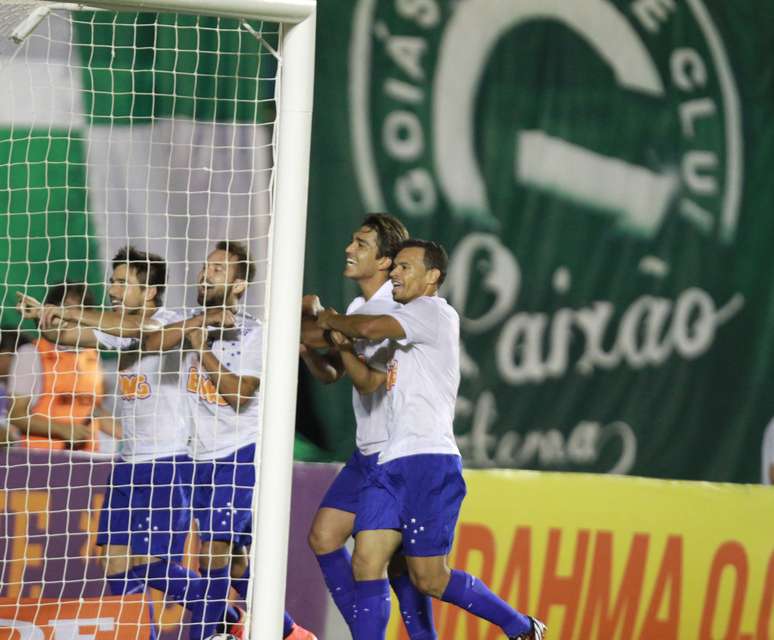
[617,558]
[98,619]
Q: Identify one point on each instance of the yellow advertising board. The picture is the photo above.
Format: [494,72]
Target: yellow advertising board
[616,558]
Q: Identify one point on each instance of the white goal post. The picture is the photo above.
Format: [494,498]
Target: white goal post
[285,271]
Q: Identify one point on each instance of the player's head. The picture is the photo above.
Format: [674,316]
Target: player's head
[138,280]
[420,268]
[225,275]
[373,247]
[69,294]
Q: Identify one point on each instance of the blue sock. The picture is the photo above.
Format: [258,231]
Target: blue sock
[287,625]
[218,582]
[178,583]
[336,568]
[124,584]
[372,609]
[415,607]
[469,593]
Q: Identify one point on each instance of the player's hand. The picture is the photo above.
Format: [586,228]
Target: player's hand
[311,305]
[324,317]
[50,317]
[302,349]
[219,318]
[197,337]
[27,306]
[340,341]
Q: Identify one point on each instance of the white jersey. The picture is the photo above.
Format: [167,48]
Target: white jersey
[422,380]
[371,409]
[217,430]
[148,402]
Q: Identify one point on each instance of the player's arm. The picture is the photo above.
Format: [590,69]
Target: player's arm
[171,336]
[52,328]
[38,424]
[235,389]
[123,325]
[361,326]
[365,379]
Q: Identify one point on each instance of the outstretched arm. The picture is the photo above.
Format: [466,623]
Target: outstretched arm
[361,326]
[54,329]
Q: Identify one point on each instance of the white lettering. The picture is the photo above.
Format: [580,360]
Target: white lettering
[696,162]
[693,110]
[426,13]
[402,135]
[651,13]
[688,69]
[415,192]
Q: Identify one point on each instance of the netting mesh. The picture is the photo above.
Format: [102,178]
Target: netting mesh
[129,399]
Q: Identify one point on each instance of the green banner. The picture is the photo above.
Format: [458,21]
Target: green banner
[600,172]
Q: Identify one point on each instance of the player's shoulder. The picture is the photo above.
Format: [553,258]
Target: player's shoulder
[381,302]
[249,326]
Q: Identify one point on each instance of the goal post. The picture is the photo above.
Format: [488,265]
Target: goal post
[285,263]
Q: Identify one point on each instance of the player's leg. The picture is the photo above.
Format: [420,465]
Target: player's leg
[416,608]
[373,550]
[431,503]
[331,528]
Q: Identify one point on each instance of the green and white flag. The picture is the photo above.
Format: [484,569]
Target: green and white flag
[154,130]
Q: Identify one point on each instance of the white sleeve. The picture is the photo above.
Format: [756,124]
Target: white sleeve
[114,342]
[419,320]
[25,372]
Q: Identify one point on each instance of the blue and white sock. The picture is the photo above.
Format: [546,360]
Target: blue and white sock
[372,610]
[469,593]
[416,608]
[336,568]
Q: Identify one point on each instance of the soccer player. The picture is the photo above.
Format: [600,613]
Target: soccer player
[220,379]
[145,517]
[369,258]
[414,496]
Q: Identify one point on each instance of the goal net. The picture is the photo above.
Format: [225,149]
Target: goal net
[140,210]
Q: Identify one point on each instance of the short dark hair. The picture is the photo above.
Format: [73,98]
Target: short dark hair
[11,340]
[390,232]
[435,256]
[151,270]
[245,266]
[58,293]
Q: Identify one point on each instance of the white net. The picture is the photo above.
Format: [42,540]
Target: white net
[128,396]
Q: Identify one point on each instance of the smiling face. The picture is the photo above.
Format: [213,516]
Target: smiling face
[410,277]
[362,261]
[218,281]
[126,292]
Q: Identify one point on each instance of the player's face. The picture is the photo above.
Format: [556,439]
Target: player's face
[361,254]
[125,290]
[410,278]
[218,279]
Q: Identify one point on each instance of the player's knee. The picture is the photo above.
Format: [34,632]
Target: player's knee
[430,582]
[214,554]
[366,567]
[115,565]
[323,540]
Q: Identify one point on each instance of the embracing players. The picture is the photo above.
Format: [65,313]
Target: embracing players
[413,497]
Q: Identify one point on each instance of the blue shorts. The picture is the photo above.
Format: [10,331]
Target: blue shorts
[420,496]
[223,496]
[344,493]
[147,507]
